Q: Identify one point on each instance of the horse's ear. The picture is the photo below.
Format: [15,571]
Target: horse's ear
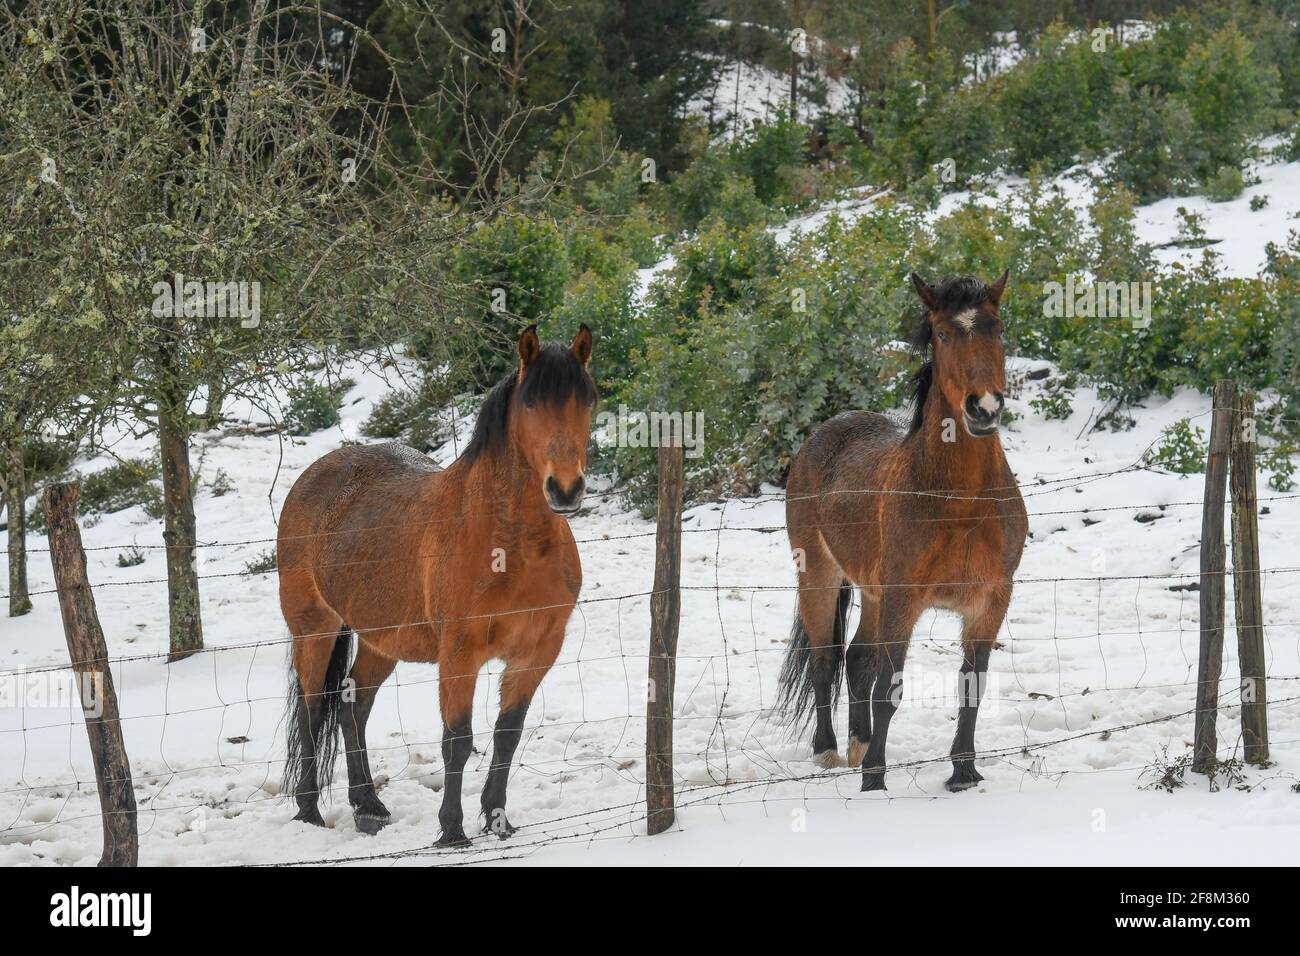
[529,347]
[924,290]
[582,345]
[997,288]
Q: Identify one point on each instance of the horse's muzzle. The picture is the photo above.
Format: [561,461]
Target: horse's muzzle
[565,501]
[983,413]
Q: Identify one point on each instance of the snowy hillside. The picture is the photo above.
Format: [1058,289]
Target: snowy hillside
[1088,705]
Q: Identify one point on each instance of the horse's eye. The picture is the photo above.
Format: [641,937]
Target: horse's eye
[943,336]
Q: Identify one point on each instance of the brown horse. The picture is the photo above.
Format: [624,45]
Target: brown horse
[456,567]
[930,518]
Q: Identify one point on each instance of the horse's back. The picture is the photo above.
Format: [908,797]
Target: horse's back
[847,448]
[349,508]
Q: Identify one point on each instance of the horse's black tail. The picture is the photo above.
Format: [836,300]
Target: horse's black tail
[325,743]
[795,702]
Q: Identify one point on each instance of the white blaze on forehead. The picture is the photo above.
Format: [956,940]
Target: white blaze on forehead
[966,319]
[989,403]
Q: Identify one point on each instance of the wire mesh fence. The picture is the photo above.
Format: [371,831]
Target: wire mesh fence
[1094,673]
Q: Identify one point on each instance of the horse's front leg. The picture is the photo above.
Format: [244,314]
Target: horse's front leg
[978,634]
[898,617]
[520,682]
[457,676]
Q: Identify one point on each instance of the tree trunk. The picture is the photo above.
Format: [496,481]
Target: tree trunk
[16,504]
[216,400]
[178,530]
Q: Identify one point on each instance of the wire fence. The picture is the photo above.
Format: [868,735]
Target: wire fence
[587,727]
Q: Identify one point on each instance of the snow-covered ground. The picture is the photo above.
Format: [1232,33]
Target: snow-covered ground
[1090,689]
[1110,647]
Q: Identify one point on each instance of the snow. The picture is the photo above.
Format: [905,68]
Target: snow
[205,734]
[746,93]
[1089,693]
[1235,233]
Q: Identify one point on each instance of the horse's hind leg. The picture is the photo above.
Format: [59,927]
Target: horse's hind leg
[520,682]
[369,671]
[317,633]
[979,631]
[821,614]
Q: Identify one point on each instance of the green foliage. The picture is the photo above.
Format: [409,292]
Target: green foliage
[1279,459]
[1053,101]
[128,483]
[522,263]
[221,484]
[606,304]
[1155,149]
[312,406]
[1055,402]
[130,558]
[1181,449]
[1225,185]
[264,563]
[415,417]
[1229,94]
[769,154]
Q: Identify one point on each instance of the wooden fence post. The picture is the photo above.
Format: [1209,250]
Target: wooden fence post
[1213,590]
[89,656]
[665,616]
[1246,584]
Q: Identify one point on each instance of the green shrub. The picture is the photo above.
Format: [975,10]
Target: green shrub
[1180,449]
[1154,148]
[738,205]
[312,406]
[694,191]
[1230,95]
[606,304]
[1225,185]
[769,153]
[1053,100]
[521,264]
[126,484]
[264,563]
[415,417]
[966,127]
[1056,400]
[221,484]
[130,558]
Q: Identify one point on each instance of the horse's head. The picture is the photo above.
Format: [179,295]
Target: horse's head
[550,415]
[963,324]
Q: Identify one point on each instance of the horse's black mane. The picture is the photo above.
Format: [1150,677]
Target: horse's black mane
[551,378]
[953,294]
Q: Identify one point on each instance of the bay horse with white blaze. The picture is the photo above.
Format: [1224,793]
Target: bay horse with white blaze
[929,518]
[455,566]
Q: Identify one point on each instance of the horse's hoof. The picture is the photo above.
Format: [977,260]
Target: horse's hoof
[309,815]
[828,759]
[857,751]
[453,840]
[370,823]
[873,780]
[964,776]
